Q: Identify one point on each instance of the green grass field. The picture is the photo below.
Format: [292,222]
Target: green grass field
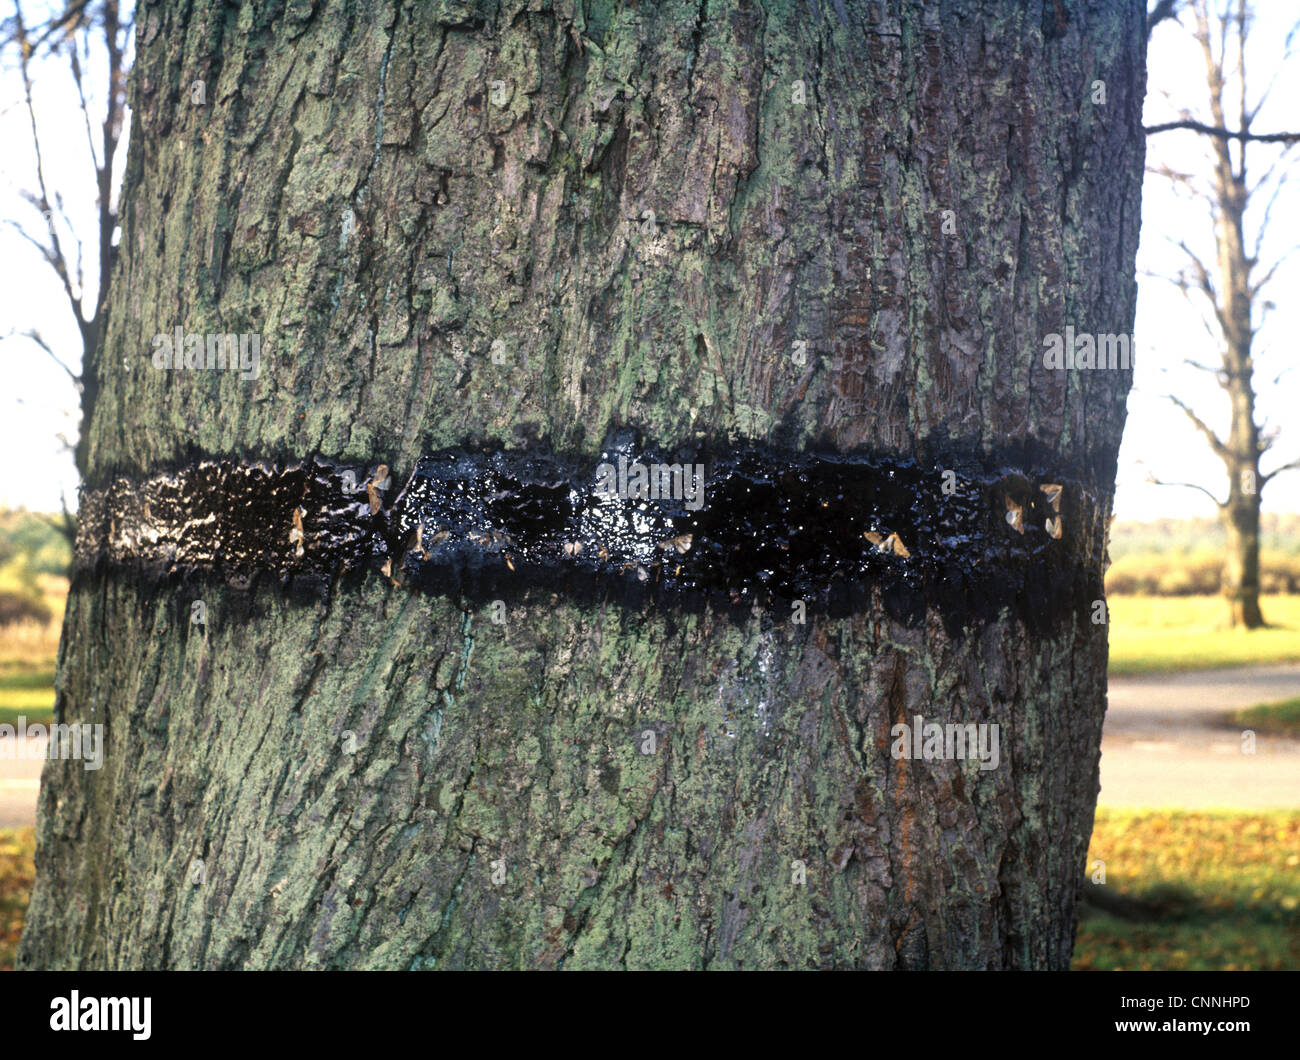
[28,652]
[1282,717]
[1224,889]
[27,656]
[27,691]
[1164,634]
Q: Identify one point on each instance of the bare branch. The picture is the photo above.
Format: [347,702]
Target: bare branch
[1204,283]
[1181,283]
[40,342]
[1203,279]
[1220,449]
[54,252]
[75,67]
[74,16]
[1244,117]
[1187,485]
[1262,282]
[1216,372]
[1282,156]
[1268,435]
[1278,470]
[1253,113]
[1262,227]
[66,523]
[1224,134]
[112,135]
[1185,182]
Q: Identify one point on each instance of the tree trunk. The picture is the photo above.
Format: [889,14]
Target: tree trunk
[1241,564]
[1240,513]
[524,225]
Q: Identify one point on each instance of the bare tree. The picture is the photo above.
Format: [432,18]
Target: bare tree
[1232,287]
[89,42]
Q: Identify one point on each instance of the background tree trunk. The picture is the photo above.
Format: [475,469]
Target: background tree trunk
[1240,513]
[646,216]
[1240,518]
[1233,285]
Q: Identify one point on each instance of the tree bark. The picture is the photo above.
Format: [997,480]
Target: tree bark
[640,211]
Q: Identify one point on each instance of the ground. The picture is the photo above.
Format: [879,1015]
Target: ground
[1222,891]
[1167,742]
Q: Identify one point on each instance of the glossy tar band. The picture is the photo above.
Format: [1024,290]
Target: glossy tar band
[739,528]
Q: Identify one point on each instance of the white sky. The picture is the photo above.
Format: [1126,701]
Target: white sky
[39,402]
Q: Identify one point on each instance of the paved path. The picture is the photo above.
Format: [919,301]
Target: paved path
[1164,745]
[20,781]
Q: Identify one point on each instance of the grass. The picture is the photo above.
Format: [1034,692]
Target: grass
[1225,888]
[17,870]
[1165,634]
[1282,717]
[27,655]
[27,679]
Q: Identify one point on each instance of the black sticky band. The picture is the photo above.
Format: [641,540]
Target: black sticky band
[737,529]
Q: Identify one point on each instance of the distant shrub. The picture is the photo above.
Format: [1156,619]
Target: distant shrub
[1203,570]
[1127,575]
[18,607]
[1196,573]
[1280,571]
[34,541]
[1277,532]
[1176,583]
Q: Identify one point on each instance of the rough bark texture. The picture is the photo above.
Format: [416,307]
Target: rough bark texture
[357,192]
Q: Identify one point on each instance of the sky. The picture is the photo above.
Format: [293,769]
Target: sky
[39,406]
